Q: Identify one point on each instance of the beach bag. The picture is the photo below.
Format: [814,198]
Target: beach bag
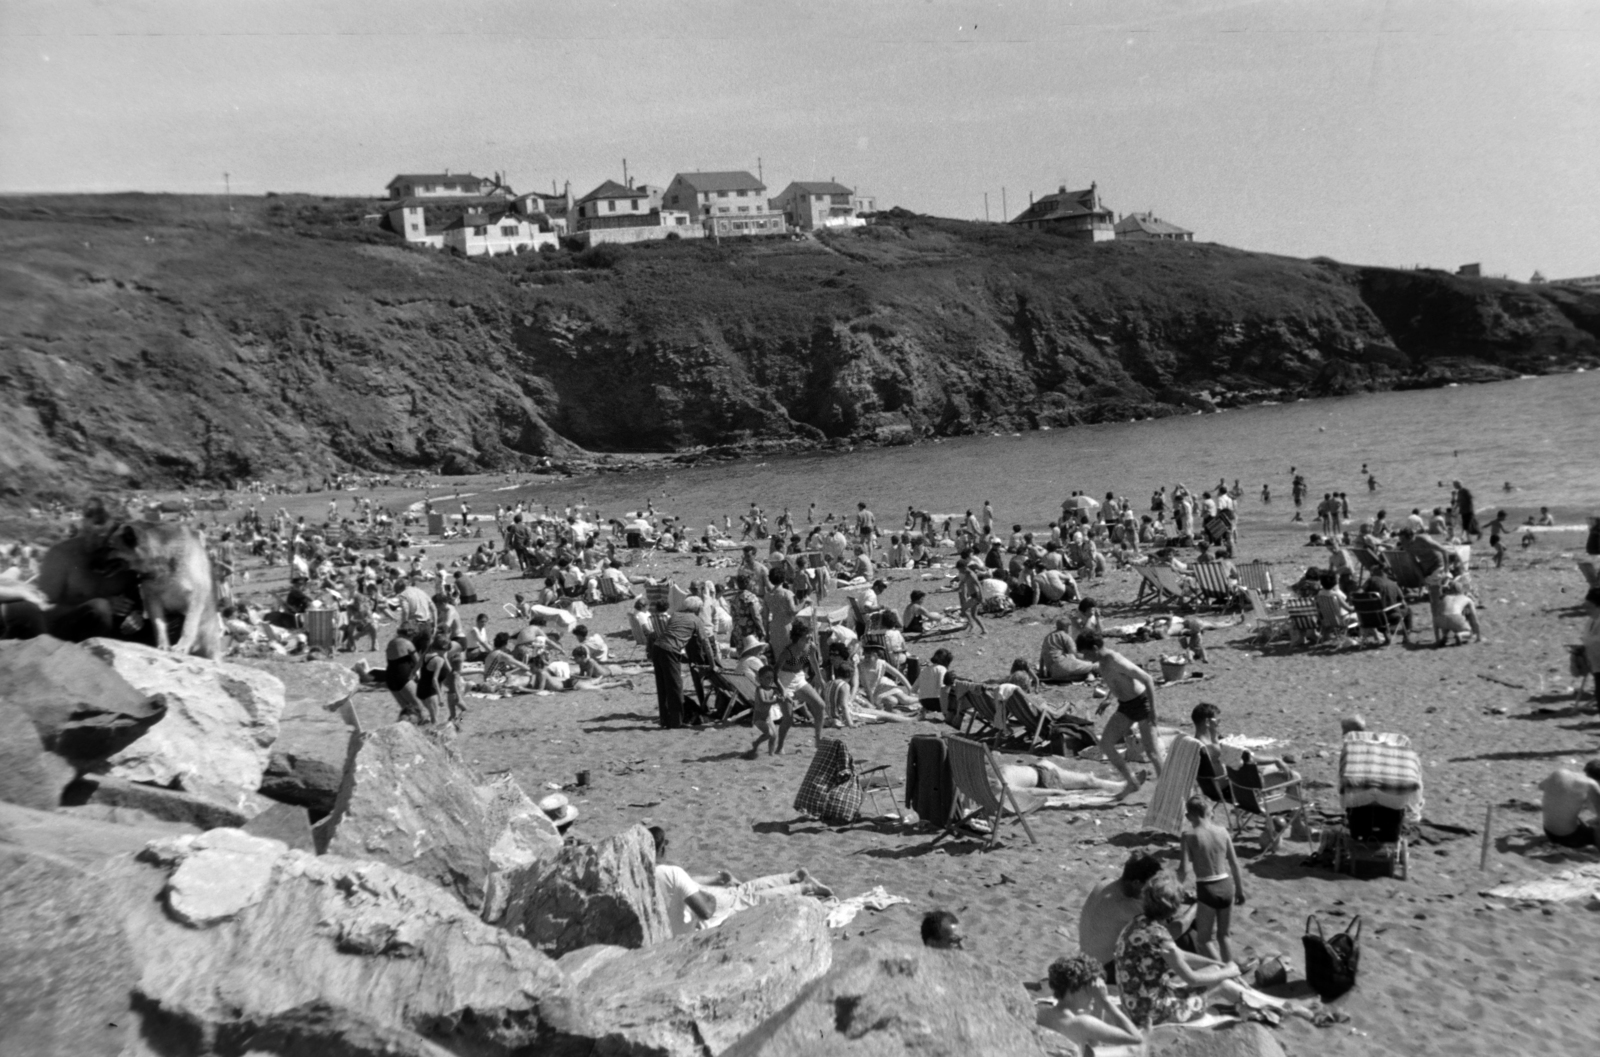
[1331,963]
[1070,735]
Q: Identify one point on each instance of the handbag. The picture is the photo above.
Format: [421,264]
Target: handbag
[1332,962]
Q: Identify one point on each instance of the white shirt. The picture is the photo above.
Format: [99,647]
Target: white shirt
[676,887]
[596,645]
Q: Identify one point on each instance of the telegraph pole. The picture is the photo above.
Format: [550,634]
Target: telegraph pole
[986,207]
[227,192]
[1004,212]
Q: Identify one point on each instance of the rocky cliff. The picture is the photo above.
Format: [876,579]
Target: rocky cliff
[156,340]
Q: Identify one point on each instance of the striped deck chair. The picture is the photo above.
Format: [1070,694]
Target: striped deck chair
[1370,562]
[1303,623]
[1407,573]
[1215,588]
[1257,576]
[980,782]
[1268,625]
[986,712]
[1178,782]
[1159,583]
[1035,717]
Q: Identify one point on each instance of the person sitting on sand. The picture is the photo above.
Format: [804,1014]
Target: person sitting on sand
[1134,691]
[1218,882]
[1058,656]
[1565,794]
[917,617]
[1111,905]
[1161,984]
[883,685]
[1082,1011]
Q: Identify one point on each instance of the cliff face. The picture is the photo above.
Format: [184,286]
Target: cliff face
[158,340]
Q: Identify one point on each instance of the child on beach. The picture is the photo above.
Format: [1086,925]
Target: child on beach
[1218,883]
[772,715]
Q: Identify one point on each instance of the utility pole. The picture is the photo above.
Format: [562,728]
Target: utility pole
[1004,212]
[227,192]
[986,207]
[761,177]
[625,172]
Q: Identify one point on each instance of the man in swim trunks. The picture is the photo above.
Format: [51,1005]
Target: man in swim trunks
[1566,794]
[1134,691]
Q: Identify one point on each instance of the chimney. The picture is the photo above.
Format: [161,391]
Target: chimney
[1062,189]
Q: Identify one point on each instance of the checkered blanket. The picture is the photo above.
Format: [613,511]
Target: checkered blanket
[1380,772]
[830,789]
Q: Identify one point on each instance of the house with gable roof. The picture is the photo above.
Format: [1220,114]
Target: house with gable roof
[493,234]
[1076,214]
[725,204]
[440,185]
[1147,227]
[616,212]
[811,204]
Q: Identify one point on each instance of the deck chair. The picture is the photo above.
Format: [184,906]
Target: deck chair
[1370,562]
[1265,791]
[1373,834]
[1373,617]
[1177,782]
[1159,583]
[1408,574]
[1268,625]
[986,712]
[737,690]
[1036,718]
[1214,586]
[1304,626]
[979,780]
[1333,625]
[1257,576]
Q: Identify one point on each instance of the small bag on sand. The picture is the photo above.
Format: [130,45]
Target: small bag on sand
[1331,963]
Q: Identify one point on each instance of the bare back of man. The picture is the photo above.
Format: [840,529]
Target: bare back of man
[1133,691]
[1565,795]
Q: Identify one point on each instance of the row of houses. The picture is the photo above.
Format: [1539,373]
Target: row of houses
[475,215]
[1082,215]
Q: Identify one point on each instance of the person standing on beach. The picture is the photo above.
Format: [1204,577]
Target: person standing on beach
[1135,693]
[986,519]
[1469,515]
[1218,883]
[969,594]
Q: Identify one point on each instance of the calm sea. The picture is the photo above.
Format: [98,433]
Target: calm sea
[1542,435]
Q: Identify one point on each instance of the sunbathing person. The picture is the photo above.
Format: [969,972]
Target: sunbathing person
[1565,795]
[1161,984]
[1082,1011]
[707,901]
[1047,775]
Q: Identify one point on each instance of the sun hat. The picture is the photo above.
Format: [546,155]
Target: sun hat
[750,646]
[559,810]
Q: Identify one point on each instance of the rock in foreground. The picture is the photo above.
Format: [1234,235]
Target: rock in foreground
[220,724]
[888,999]
[603,893]
[307,762]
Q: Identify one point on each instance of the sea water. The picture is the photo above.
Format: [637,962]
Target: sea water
[1540,435]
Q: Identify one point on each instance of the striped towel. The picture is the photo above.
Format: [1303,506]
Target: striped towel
[1176,785]
[1373,772]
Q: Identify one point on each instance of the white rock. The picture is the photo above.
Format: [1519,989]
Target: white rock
[220,724]
[220,872]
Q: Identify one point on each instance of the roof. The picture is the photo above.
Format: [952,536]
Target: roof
[1150,224]
[442,202]
[478,220]
[438,178]
[820,187]
[721,181]
[612,189]
[1065,203]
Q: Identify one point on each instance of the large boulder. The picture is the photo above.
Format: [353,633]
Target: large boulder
[315,731]
[221,721]
[700,993]
[83,711]
[312,1030]
[895,999]
[66,970]
[30,774]
[169,805]
[78,836]
[1245,1039]
[236,935]
[592,894]
[408,800]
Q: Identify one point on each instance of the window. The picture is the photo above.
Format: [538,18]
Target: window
[744,209]
[508,229]
[744,194]
[415,226]
[483,231]
[722,194]
[723,209]
[611,206]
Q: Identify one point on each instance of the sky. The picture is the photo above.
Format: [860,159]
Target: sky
[1397,133]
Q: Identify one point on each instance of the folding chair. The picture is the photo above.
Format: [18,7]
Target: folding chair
[1214,588]
[1333,624]
[1159,583]
[1034,717]
[1372,616]
[1268,625]
[1304,626]
[1257,576]
[1408,574]
[1264,791]
[977,777]
[1373,834]
[985,711]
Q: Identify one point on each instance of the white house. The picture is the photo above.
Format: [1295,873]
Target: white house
[440,185]
[811,204]
[477,234]
[724,203]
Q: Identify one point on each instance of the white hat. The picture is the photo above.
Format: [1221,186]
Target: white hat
[559,810]
[751,646]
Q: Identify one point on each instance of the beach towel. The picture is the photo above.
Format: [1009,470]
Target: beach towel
[843,911]
[1566,886]
[1375,772]
[1165,813]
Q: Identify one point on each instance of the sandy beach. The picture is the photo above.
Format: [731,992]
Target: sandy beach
[1444,969]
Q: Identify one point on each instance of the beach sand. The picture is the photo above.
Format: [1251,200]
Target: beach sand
[1443,969]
